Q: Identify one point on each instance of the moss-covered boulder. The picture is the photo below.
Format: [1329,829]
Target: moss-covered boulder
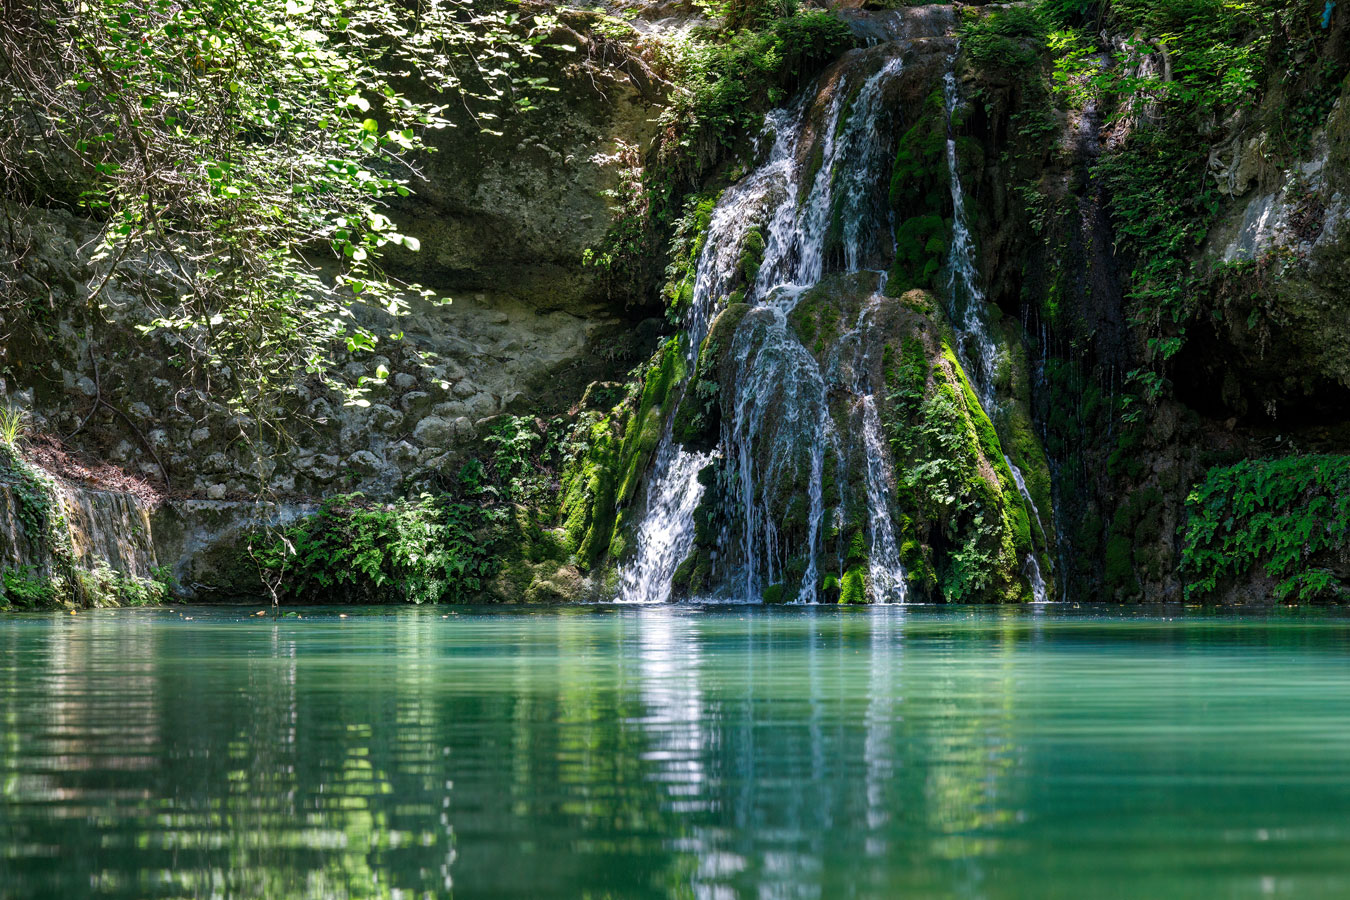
[854,447]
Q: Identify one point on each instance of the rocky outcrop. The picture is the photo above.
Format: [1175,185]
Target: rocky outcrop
[503,220]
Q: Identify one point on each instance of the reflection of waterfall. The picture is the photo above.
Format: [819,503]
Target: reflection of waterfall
[674,714]
[886,651]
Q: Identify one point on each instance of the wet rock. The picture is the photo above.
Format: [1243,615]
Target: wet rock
[366,460]
[433,431]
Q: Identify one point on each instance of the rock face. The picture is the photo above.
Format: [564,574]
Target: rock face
[64,542]
[825,442]
[1282,262]
[815,430]
[503,221]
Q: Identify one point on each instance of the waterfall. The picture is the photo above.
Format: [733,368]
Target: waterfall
[781,389]
[665,534]
[1021,483]
[978,351]
[1030,567]
[884,569]
[778,429]
[666,531]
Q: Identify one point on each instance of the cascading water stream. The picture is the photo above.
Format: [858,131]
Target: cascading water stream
[666,533]
[979,352]
[779,382]
[778,429]
[884,569]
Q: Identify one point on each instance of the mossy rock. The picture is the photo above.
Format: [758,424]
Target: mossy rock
[966,530]
[698,417]
[853,586]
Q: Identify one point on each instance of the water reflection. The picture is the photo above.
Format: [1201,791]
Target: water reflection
[709,753]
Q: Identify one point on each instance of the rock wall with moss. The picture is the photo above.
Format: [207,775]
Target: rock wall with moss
[1157,194]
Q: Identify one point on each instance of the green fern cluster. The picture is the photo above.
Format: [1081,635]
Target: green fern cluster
[429,550]
[1290,517]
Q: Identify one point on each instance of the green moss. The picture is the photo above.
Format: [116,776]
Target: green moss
[920,248]
[588,489]
[1132,541]
[946,449]
[920,199]
[752,254]
[644,429]
[1120,566]
[816,318]
[698,418]
[772,594]
[853,586]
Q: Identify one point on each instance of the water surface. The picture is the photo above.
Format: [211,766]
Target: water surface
[611,752]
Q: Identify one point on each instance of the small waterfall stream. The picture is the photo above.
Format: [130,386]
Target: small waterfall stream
[801,437]
[781,390]
[979,352]
[666,531]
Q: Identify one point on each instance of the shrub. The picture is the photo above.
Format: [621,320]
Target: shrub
[24,587]
[1288,517]
[429,550]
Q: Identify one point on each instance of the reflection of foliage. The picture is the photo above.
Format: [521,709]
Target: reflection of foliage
[1289,517]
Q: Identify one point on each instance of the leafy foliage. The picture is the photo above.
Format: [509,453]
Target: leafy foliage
[25,587]
[724,81]
[429,550]
[1010,38]
[12,422]
[228,146]
[726,85]
[945,447]
[104,586]
[1188,65]
[438,548]
[1290,517]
